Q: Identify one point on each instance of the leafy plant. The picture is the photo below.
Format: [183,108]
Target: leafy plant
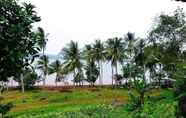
[5,108]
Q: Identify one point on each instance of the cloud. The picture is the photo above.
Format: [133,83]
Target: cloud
[87,20]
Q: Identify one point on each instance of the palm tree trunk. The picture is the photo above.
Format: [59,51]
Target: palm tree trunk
[101,73]
[22,84]
[112,75]
[43,60]
[7,87]
[144,77]
[142,98]
[74,74]
[116,68]
[43,48]
[130,73]
[2,88]
[56,82]
[12,82]
[44,78]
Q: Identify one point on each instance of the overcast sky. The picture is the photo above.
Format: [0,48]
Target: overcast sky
[86,20]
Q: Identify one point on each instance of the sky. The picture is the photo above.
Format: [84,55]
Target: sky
[87,20]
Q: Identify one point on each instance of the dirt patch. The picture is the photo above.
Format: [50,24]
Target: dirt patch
[65,91]
[94,89]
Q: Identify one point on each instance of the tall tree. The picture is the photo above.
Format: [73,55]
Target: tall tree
[98,55]
[72,58]
[130,48]
[18,40]
[88,53]
[43,65]
[140,57]
[115,52]
[170,35]
[42,39]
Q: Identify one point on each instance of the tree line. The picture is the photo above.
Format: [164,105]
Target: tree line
[162,53]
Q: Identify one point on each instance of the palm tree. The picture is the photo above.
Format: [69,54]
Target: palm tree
[43,65]
[88,53]
[42,39]
[130,39]
[140,57]
[98,55]
[115,52]
[56,67]
[92,72]
[72,58]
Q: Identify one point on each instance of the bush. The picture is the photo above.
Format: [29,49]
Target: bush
[5,108]
[180,87]
[134,103]
[99,111]
[181,108]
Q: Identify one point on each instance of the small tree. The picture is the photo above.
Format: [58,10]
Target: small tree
[92,72]
[29,78]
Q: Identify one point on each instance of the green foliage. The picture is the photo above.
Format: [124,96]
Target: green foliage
[29,78]
[56,67]
[181,108]
[92,72]
[87,104]
[72,58]
[115,50]
[5,108]
[134,102]
[79,77]
[98,51]
[169,34]
[42,38]
[43,64]
[18,41]
[180,88]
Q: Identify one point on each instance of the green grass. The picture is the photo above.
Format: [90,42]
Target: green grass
[81,103]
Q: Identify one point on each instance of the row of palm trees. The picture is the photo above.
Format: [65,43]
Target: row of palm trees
[75,60]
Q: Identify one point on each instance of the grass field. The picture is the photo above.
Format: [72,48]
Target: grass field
[88,103]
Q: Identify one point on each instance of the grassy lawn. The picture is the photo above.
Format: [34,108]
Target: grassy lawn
[83,103]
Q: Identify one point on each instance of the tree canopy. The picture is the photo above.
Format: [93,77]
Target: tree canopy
[18,40]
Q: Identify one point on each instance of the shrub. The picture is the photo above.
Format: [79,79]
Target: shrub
[134,102]
[5,108]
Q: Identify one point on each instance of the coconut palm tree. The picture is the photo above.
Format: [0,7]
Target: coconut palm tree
[140,57]
[42,39]
[56,67]
[98,55]
[88,53]
[92,72]
[72,58]
[43,65]
[130,41]
[115,53]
